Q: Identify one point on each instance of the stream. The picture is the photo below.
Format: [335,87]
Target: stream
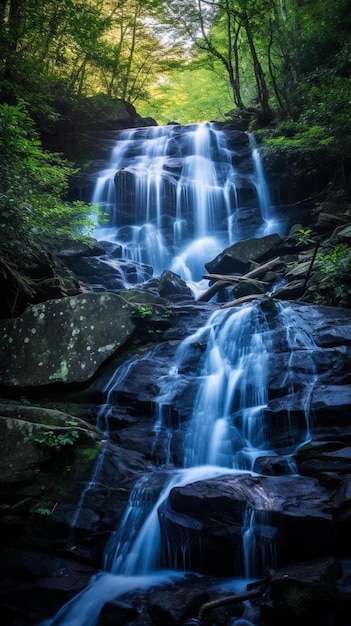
[176,197]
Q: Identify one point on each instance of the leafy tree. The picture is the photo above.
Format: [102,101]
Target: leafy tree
[188,95]
[33,183]
[90,46]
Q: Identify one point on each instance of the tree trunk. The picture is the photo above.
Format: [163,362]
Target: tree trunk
[12,36]
[262,91]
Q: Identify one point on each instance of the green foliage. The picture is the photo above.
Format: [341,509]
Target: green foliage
[304,236]
[89,454]
[295,136]
[33,183]
[56,440]
[143,311]
[189,95]
[40,510]
[86,47]
[300,150]
[334,287]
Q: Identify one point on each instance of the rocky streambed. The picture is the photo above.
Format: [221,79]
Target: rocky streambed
[76,441]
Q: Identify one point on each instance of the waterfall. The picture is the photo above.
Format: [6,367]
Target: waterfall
[225,434]
[270,224]
[176,196]
[231,396]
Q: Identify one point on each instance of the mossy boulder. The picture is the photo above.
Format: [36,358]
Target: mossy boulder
[45,455]
[63,341]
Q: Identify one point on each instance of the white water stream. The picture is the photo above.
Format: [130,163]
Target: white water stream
[226,433]
[175,197]
[186,177]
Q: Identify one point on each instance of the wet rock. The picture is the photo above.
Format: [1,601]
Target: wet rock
[143,297]
[272,465]
[107,273]
[140,388]
[305,593]
[291,291]
[316,458]
[248,287]
[237,258]
[173,607]
[117,613]
[298,271]
[63,341]
[170,285]
[330,404]
[329,326]
[327,222]
[75,249]
[341,234]
[291,515]
[32,437]
[36,584]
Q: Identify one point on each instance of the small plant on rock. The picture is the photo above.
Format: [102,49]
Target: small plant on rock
[56,440]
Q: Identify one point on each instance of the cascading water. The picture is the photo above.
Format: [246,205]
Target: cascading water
[226,433]
[176,196]
[189,201]
[227,416]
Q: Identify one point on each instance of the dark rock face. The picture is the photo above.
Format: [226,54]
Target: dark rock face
[174,607]
[107,273]
[237,258]
[296,519]
[298,502]
[303,593]
[215,511]
[117,614]
[62,341]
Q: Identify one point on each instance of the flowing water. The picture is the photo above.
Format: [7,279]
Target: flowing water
[225,435]
[176,196]
[186,196]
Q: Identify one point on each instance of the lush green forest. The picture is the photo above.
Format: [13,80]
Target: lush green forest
[187,61]
[279,67]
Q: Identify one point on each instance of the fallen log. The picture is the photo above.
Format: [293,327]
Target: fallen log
[242,300]
[225,280]
[211,291]
[231,599]
[230,279]
[253,592]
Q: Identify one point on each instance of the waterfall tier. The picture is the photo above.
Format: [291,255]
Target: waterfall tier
[177,195]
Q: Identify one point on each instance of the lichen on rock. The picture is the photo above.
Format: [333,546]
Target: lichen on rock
[63,341]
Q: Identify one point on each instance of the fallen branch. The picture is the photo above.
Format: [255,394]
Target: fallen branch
[261,269]
[211,291]
[251,594]
[239,597]
[242,300]
[225,280]
[20,280]
[230,279]
[310,267]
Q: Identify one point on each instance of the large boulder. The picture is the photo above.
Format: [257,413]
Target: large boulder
[32,436]
[238,257]
[285,519]
[302,594]
[63,341]
[107,273]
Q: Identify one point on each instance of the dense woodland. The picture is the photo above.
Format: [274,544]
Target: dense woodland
[281,68]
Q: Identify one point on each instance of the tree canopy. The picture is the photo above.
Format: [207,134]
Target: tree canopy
[289,56]
[282,66]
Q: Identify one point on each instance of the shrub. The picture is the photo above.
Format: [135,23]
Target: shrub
[334,287]
[33,184]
